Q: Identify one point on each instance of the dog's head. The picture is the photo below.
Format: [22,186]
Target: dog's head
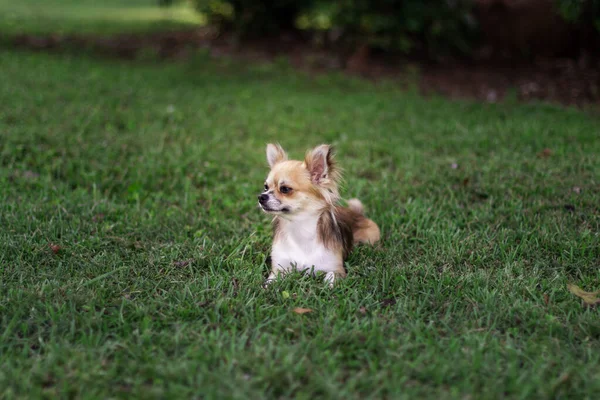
[297,187]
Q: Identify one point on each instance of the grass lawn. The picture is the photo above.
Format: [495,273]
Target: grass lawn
[132,251]
[93,16]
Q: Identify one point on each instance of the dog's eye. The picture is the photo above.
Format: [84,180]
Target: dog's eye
[266,187]
[285,189]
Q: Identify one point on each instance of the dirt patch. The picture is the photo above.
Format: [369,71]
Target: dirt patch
[564,81]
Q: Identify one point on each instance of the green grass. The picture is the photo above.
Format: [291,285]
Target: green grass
[146,176]
[94,16]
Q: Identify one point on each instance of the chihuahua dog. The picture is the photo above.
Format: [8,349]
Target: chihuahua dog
[311,231]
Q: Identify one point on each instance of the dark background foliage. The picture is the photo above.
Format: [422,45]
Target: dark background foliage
[431,27]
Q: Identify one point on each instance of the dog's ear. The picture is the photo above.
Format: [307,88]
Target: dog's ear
[275,154]
[319,162]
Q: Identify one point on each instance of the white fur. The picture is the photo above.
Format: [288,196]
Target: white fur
[297,247]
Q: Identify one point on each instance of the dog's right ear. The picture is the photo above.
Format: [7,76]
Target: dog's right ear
[275,154]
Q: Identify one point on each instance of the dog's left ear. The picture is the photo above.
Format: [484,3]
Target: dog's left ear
[319,162]
[275,154]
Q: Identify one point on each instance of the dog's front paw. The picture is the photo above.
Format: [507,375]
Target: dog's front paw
[267,283]
[330,279]
[270,280]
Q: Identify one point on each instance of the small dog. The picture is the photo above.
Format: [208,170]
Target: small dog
[310,230]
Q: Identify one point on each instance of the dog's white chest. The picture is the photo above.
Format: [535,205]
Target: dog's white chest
[288,255]
[300,249]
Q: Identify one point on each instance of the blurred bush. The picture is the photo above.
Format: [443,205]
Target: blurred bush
[399,25]
[432,28]
[250,18]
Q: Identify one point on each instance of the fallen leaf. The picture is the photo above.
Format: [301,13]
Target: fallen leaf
[182,263]
[299,310]
[30,175]
[98,217]
[285,294]
[362,310]
[388,302]
[589,298]
[546,298]
[55,248]
[545,153]
[465,181]
[577,189]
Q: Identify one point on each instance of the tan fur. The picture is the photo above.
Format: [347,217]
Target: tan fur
[328,184]
[343,228]
[275,154]
[294,174]
[308,221]
[365,230]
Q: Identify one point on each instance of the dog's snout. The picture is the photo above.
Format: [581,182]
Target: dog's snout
[263,197]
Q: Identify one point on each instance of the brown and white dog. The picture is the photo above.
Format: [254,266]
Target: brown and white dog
[311,230]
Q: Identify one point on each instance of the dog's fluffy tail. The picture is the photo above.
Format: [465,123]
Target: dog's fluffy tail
[356,206]
[365,230]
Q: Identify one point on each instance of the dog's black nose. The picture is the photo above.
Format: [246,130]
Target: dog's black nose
[263,198]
